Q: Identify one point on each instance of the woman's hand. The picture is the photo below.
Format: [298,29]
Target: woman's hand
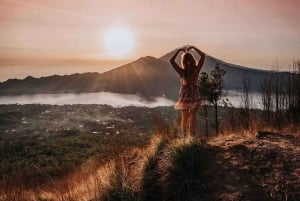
[190,47]
[183,49]
[202,54]
[197,50]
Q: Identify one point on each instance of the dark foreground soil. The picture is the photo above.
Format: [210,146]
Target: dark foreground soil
[265,167]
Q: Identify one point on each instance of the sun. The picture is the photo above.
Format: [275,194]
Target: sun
[118,41]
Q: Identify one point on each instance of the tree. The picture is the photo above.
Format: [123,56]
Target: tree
[247,101]
[267,101]
[294,96]
[204,89]
[211,89]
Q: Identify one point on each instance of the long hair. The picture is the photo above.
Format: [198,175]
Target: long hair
[188,63]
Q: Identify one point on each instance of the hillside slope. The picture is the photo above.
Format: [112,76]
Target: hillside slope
[231,167]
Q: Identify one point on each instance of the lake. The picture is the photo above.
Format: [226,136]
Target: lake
[113,99]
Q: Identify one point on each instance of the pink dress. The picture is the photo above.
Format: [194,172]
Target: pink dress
[189,95]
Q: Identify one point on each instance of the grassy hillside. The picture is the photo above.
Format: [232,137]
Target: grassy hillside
[229,167]
[99,153]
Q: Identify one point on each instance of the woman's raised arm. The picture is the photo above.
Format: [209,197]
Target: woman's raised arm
[174,64]
[202,54]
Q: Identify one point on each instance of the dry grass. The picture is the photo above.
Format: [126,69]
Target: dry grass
[149,173]
[92,179]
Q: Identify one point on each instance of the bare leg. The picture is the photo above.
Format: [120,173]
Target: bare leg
[184,119]
[192,122]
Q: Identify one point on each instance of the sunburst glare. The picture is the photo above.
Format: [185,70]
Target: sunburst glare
[118,41]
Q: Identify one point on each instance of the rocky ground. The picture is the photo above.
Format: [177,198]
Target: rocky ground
[265,167]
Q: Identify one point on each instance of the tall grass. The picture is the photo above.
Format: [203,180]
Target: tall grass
[164,170]
[172,171]
[182,167]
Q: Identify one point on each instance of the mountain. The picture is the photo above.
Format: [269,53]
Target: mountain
[147,76]
[233,78]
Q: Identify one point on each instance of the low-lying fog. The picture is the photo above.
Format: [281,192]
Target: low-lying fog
[114,99]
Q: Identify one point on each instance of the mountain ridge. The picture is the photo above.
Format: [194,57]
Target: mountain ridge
[148,76]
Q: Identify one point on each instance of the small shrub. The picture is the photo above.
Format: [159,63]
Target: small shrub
[182,169]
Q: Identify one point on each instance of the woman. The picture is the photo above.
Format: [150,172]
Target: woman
[189,97]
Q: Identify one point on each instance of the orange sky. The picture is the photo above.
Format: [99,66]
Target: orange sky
[42,37]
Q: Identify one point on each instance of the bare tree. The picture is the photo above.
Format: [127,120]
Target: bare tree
[267,101]
[247,101]
[294,100]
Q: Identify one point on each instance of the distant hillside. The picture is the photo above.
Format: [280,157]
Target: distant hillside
[147,76]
